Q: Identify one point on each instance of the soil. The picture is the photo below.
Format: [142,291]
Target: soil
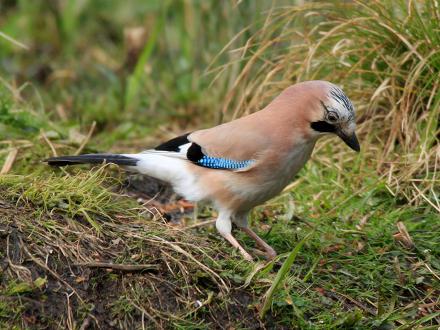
[107,294]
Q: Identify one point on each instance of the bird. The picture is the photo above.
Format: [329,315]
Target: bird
[245,162]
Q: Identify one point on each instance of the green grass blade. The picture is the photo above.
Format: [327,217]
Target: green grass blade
[281,275]
[133,82]
[90,220]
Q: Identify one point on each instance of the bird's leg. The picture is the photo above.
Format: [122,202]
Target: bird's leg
[241,220]
[269,251]
[224,227]
[231,239]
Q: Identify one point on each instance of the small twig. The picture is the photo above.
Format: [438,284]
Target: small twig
[26,273]
[357,303]
[86,323]
[42,265]
[9,161]
[431,271]
[178,249]
[362,222]
[152,319]
[69,321]
[14,41]
[200,224]
[437,207]
[403,235]
[54,151]
[87,138]
[433,304]
[123,267]
[352,231]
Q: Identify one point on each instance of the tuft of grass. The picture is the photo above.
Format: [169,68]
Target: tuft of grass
[281,275]
[61,240]
[355,271]
[385,54]
[81,194]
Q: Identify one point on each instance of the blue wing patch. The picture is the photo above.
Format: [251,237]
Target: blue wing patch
[196,155]
[223,163]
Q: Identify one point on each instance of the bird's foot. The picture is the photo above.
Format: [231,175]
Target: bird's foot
[231,239]
[268,251]
[269,255]
[246,256]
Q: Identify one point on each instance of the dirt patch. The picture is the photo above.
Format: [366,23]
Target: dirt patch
[50,281]
[159,195]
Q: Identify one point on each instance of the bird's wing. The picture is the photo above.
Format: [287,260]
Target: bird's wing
[223,147]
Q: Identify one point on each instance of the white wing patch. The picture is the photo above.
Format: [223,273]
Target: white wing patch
[174,154]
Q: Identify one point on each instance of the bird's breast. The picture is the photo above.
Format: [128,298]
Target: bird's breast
[273,174]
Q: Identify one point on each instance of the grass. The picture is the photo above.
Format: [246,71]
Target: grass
[393,77]
[281,275]
[82,247]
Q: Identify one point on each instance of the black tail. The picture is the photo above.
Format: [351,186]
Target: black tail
[92,159]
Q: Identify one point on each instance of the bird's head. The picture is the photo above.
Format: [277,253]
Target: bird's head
[335,115]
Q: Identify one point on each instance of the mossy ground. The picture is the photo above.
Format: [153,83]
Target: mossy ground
[96,247]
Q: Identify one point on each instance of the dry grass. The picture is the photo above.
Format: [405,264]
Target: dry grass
[385,54]
[76,258]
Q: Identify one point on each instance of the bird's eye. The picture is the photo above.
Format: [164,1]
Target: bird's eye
[332,118]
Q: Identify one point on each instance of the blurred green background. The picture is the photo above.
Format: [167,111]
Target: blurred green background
[106,75]
[129,66]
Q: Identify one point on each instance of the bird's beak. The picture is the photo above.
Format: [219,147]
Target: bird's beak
[350,139]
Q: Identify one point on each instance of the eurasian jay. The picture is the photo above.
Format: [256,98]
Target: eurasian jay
[243,163]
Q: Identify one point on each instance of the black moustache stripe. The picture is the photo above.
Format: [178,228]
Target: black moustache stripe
[323,127]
